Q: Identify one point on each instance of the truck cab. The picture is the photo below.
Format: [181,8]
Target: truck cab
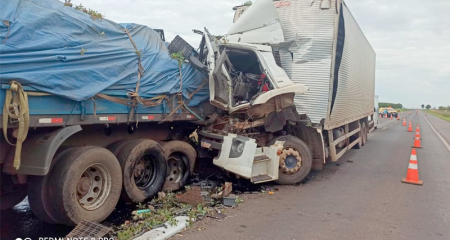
[246,82]
[242,75]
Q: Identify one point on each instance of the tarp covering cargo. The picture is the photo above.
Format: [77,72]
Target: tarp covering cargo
[59,50]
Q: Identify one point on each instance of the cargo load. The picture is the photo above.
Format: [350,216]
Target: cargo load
[59,50]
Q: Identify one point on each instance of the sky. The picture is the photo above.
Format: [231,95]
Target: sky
[410,37]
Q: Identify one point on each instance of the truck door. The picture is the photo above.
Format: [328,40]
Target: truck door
[219,66]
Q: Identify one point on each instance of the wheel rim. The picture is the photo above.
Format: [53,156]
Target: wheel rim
[290,161]
[93,187]
[176,168]
[144,172]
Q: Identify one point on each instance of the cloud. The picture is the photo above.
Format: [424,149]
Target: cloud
[411,37]
[411,40]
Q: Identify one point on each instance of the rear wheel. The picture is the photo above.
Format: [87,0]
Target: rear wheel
[180,157]
[295,160]
[87,185]
[38,191]
[144,169]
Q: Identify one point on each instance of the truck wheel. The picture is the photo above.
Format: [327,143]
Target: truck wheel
[38,191]
[363,133]
[144,169]
[87,185]
[180,157]
[295,160]
[11,193]
[116,146]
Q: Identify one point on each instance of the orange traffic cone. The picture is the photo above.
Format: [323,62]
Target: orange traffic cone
[417,142]
[404,122]
[391,117]
[417,133]
[410,127]
[385,115]
[412,175]
[398,117]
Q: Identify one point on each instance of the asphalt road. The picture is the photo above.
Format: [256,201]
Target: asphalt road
[359,197]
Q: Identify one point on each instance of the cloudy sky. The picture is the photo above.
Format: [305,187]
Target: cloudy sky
[411,37]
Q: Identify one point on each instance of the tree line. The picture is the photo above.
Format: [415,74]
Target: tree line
[441,108]
[393,105]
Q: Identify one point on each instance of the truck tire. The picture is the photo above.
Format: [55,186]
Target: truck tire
[144,169]
[39,188]
[295,160]
[87,185]
[116,146]
[180,157]
[11,193]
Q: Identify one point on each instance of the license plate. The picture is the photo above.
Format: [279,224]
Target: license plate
[206,144]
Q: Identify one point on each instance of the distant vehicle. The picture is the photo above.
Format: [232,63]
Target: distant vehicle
[388,111]
[392,112]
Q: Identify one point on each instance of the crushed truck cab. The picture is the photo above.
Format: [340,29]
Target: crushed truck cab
[296,82]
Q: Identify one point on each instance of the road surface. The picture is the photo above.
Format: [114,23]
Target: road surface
[359,197]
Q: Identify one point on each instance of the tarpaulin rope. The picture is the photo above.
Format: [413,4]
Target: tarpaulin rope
[135,95]
[16,107]
[182,104]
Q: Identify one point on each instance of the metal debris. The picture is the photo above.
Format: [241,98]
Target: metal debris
[90,230]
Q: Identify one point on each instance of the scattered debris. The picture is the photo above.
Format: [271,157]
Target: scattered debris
[229,201]
[89,230]
[216,215]
[194,197]
[166,231]
[160,212]
[161,216]
[137,212]
[225,190]
[350,161]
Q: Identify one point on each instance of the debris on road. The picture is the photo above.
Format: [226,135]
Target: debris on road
[224,191]
[229,201]
[194,197]
[89,230]
[216,215]
[161,215]
[167,230]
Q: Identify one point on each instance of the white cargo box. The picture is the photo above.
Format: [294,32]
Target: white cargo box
[325,49]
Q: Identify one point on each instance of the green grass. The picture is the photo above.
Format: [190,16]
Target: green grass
[440,114]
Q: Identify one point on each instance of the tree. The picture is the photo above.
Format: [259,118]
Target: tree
[428,106]
[393,105]
[423,106]
[442,108]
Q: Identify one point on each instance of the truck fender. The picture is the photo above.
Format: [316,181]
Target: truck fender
[39,150]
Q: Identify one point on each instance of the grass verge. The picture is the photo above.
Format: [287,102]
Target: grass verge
[440,114]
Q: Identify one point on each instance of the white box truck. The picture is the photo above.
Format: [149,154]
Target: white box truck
[316,71]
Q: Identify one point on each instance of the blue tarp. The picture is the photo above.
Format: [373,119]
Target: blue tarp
[57,49]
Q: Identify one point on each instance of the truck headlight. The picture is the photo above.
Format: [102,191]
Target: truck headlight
[237,146]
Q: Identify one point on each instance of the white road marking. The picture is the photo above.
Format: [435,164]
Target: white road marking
[439,135]
[383,128]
